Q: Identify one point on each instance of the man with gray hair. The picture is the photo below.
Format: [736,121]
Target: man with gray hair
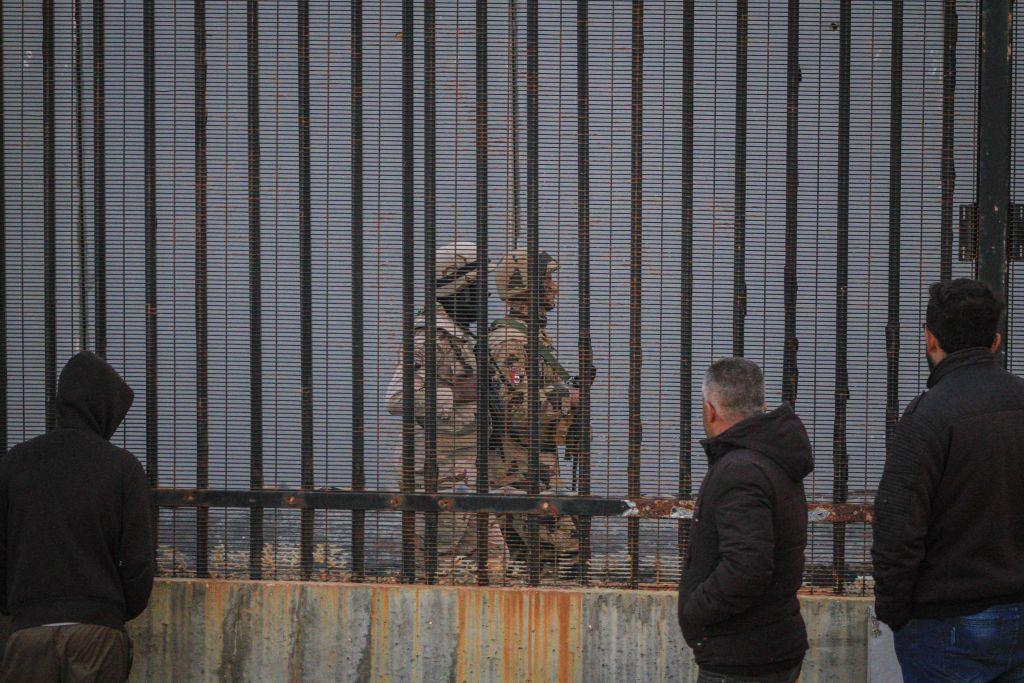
[738,606]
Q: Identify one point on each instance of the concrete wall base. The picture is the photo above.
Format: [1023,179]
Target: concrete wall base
[274,631]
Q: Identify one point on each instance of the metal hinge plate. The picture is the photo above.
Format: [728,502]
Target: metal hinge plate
[968,249]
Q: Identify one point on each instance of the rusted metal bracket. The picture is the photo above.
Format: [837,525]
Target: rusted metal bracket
[1015,234]
[968,250]
[495,503]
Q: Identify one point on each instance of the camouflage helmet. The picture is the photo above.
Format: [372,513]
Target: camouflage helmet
[512,276]
[455,267]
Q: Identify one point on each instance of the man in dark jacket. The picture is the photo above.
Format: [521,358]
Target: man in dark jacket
[738,604]
[949,515]
[76,548]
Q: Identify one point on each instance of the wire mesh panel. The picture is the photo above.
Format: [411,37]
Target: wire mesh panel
[241,206]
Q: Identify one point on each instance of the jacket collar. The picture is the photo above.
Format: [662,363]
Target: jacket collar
[960,359]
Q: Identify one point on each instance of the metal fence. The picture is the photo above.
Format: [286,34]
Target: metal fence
[239,203]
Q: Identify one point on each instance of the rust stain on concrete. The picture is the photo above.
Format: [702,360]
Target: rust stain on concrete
[511,608]
[566,648]
[460,645]
[380,608]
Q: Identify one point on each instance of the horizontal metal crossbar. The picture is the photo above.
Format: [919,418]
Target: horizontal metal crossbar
[585,506]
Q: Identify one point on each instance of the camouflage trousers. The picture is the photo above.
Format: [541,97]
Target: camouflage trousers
[558,542]
[456,532]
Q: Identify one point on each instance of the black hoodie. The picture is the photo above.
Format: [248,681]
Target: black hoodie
[75,537]
[738,604]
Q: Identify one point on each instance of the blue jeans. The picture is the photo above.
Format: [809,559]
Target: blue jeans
[987,646]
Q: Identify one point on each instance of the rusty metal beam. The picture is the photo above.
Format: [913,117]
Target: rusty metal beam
[590,506]
[483,425]
[408,480]
[358,371]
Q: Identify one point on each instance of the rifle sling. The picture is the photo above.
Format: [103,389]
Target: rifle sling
[545,351]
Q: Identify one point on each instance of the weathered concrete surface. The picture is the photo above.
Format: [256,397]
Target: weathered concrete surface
[247,631]
[882,664]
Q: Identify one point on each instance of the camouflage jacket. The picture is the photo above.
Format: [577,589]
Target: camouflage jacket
[456,410]
[507,342]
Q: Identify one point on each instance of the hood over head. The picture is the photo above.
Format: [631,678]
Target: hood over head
[91,395]
[779,435]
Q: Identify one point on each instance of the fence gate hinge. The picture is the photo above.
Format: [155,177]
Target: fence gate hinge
[1015,233]
[968,250]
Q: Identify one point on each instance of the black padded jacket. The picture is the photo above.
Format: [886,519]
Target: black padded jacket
[738,605]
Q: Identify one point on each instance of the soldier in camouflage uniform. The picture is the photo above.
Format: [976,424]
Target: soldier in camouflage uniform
[456,375]
[559,401]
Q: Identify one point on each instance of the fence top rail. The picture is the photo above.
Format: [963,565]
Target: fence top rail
[496,503]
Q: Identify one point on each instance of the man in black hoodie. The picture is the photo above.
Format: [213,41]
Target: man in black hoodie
[76,548]
[949,515]
[738,605]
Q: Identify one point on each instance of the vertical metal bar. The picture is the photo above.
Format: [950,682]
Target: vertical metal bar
[482,355]
[429,277]
[892,327]
[149,161]
[994,149]
[99,172]
[255,290]
[408,482]
[533,275]
[305,287]
[49,216]
[790,374]
[948,135]
[686,280]
[202,370]
[585,351]
[3,253]
[513,68]
[635,281]
[739,278]
[83,316]
[840,459]
[358,378]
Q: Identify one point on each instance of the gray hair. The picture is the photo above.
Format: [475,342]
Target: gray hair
[735,387]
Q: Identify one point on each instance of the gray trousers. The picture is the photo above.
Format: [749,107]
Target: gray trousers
[65,654]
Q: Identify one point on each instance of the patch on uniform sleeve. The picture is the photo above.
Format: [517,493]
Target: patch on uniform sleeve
[514,373]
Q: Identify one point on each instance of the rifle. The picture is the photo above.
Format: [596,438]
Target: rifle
[574,437]
[496,412]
